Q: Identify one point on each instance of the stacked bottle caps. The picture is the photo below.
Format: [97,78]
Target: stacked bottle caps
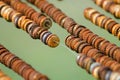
[56,14]
[100,43]
[35,31]
[101,20]
[3,76]
[98,71]
[19,66]
[78,30]
[28,11]
[80,46]
[117,1]
[109,6]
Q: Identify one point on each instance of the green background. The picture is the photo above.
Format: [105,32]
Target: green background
[57,63]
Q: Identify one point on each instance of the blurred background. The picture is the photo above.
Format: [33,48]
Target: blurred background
[57,63]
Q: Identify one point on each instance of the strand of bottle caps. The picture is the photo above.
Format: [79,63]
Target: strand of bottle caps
[80,46]
[31,13]
[102,21]
[33,29]
[96,69]
[80,31]
[19,66]
[75,29]
[109,6]
[93,61]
